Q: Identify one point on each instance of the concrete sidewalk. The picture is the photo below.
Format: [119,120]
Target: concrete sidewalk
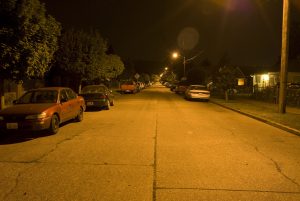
[265,112]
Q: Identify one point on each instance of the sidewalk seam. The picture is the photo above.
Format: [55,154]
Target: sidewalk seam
[272,123]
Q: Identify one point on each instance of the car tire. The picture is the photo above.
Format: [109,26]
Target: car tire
[79,116]
[54,124]
[107,107]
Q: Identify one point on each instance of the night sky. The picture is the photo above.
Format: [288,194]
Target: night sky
[248,31]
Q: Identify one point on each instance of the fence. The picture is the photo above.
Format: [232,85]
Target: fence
[267,94]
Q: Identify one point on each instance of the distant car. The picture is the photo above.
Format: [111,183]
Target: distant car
[173,85]
[43,109]
[181,87]
[97,96]
[293,85]
[129,87]
[197,92]
[141,85]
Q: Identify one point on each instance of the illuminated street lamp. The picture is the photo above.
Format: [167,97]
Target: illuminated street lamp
[175,55]
[166,68]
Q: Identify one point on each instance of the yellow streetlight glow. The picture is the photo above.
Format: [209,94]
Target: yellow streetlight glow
[166,68]
[175,55]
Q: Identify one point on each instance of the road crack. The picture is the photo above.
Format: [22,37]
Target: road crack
[54,148]
[17,181]
[35,161]
[277,167]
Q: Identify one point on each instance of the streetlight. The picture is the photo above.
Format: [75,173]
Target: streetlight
[175,55]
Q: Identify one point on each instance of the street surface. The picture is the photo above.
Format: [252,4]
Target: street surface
[153,146]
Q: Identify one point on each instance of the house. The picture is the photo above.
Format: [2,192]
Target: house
[271,78]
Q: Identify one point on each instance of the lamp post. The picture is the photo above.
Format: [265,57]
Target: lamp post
[284,57]
[175,55]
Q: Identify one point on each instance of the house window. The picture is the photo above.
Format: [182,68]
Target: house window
[265,80]
[241,81]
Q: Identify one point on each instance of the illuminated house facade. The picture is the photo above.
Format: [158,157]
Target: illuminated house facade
[271,79]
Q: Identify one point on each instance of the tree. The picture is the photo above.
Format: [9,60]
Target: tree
[168,76]
[81,55]
[145,77]
[28,39]
[112,66]
[226,79]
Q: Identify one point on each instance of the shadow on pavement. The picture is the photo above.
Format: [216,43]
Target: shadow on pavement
[94,109]
[14,137]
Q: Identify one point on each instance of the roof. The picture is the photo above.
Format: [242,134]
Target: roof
[293,66]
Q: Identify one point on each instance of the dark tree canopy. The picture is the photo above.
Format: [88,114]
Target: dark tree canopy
[82,54]
[28,39]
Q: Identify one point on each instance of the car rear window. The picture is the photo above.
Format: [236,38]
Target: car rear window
[128,82]
[93,89]
[198,88]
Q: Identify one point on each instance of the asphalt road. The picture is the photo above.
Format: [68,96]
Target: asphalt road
[156,146]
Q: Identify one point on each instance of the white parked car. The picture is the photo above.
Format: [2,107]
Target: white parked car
[197,92]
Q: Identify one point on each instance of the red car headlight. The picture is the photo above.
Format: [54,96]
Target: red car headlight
[37,116]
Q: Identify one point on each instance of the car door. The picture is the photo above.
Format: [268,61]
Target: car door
[73,102]
[65,106]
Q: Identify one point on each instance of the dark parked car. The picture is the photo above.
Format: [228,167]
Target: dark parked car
[173,86]
[42,109]
[97,96]
[181,87]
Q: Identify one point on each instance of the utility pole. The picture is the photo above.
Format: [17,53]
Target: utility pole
[284,57]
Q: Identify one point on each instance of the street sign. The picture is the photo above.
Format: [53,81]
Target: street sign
[137,76]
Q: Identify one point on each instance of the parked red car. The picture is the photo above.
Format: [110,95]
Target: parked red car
[43,109]
[129,87]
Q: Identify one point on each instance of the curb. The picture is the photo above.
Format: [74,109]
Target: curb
[272,123]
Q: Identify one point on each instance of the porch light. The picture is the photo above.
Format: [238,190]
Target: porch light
[265,77]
